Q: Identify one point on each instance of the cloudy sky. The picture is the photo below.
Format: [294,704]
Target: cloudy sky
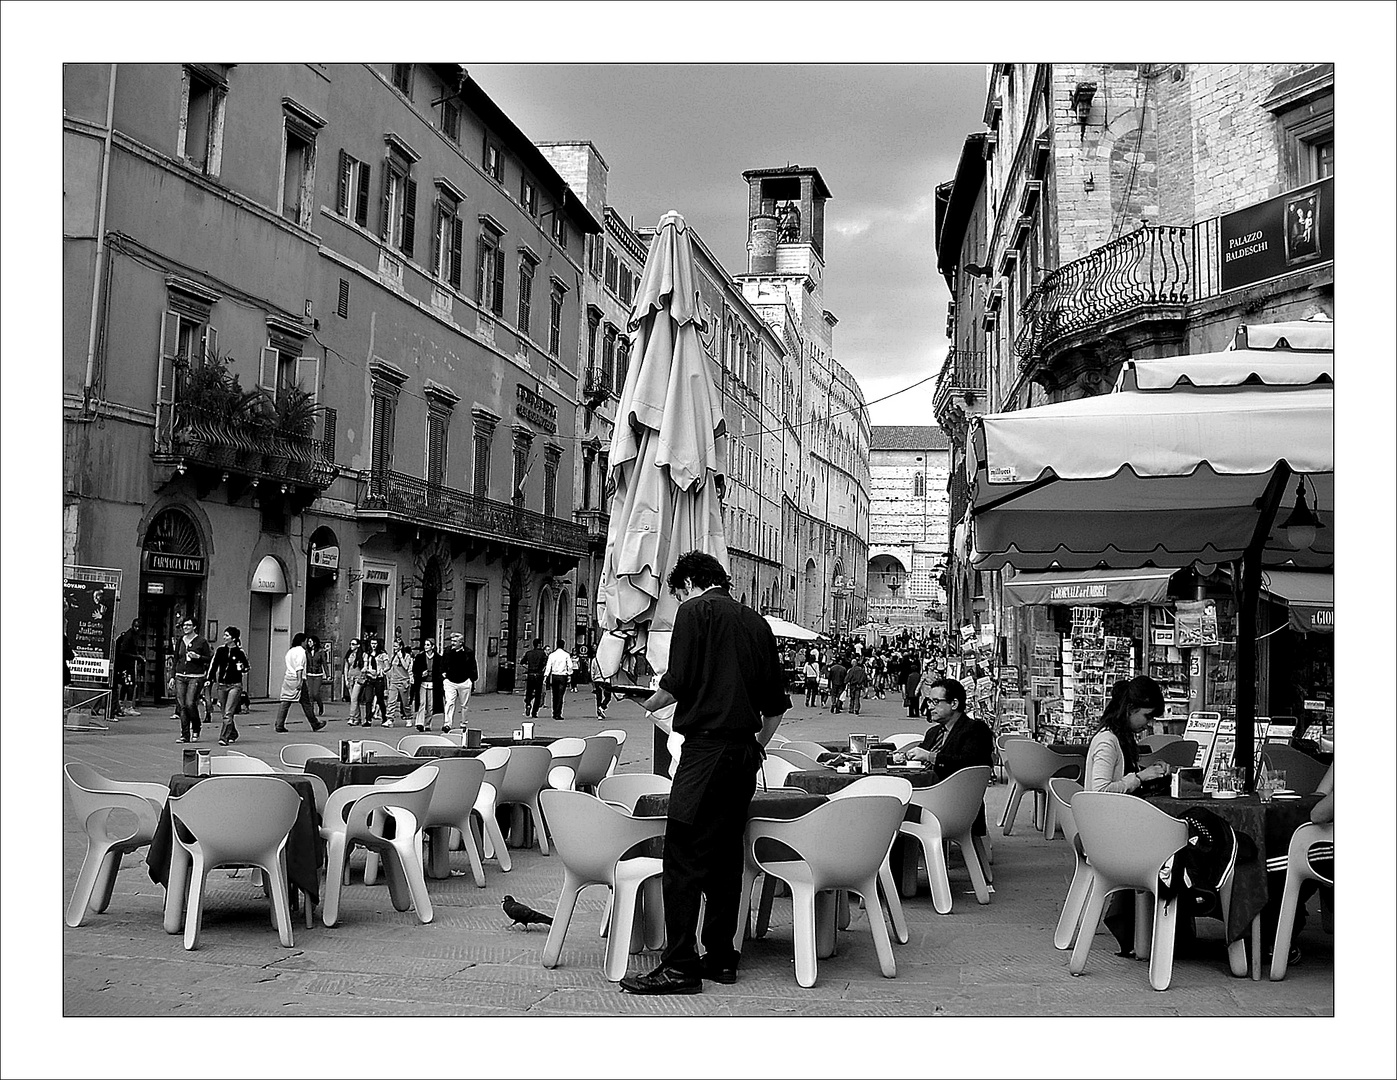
[882,135]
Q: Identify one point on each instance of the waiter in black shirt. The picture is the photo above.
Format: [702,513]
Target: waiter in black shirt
[534,661]
[725,678]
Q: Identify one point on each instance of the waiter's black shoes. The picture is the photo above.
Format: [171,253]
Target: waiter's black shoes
[663,980]
[719,972]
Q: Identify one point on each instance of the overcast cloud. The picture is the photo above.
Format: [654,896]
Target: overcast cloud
[883,136]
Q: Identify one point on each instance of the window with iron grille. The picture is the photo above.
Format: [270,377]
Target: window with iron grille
[352,197]
[489,280]
[526,292]
[555,322]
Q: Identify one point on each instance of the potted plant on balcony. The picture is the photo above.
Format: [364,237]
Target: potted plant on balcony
[213,413]
[292,419]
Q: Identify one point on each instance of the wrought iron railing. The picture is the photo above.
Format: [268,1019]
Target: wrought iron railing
[595,520]
[1152,267]
[248,446]
[962,370]
[596,382]
[414,499]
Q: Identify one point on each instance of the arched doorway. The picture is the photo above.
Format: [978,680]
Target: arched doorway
[516,586]
[322,597]
[431,590]
[545,618]
[561,619]
[268,628]
[174,571]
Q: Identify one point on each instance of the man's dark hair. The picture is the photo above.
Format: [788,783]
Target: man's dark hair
[560,644]
[700,569]
[955,692]
[538,643]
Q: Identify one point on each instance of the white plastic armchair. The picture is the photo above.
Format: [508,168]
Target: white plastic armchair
[623,790]
[775,770]
[492,845]
[94,798]
[378,747]
[900,788]
[567,751]
[239,765]
[839,845]
[453,799]
[903,739]
[1155,743]
[591,837]
[295,755]
[1031,765]
[525,777]
[410,744]
[948,812]
[795,757]
[1060,791]
[1127,843]
[619,735]
[233,821]
[596,762]
[1180,753]
[1308,842]
[805,746]
[347,822]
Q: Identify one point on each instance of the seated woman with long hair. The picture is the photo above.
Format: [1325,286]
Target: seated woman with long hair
[1113,758]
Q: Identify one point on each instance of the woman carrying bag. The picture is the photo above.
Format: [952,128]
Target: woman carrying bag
[226,671]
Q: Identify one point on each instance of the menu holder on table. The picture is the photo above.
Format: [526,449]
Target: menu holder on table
[1186,784]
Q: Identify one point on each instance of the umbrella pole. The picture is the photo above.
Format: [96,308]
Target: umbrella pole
[1268,505]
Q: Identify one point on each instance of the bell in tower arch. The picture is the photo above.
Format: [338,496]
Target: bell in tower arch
[788,227]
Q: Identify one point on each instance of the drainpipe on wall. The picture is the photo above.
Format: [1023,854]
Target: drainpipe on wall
[90,373]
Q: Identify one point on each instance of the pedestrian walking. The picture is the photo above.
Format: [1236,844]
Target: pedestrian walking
[400,684]
[427,689]
[811,674]
[724,679]
[558,671]
[911,676]
[293,687]
[837,675]
[226,671]
[856,681]
[315,672]
[458,679]
[128,660]
[601,687]
[375,682]
[354,681]
[535,660]
[191,668]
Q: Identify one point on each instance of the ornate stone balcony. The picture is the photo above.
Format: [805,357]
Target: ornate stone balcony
[596,522]
[961,390]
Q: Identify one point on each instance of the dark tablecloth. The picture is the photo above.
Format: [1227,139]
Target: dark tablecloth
[827,781]
[841,746]
[336,774]
[304,850]
[505,740]
[1070,749]
[449,751]
[1269,826]
[785,803]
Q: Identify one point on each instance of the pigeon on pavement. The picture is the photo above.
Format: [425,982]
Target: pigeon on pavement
[523,914]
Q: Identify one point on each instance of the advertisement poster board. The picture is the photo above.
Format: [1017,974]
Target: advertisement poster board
[1223,747]
[1202,728]
[1195,623]
[89,616]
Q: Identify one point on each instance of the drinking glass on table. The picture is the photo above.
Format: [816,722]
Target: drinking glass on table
[1266,785]
[1277,780]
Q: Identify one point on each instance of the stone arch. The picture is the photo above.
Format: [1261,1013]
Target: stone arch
[192,512]
[1130,134]
[563,619]
[433,581]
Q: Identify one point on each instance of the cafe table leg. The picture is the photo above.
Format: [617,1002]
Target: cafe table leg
[176,887]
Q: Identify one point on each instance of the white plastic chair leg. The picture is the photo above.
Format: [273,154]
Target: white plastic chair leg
[466,836]
[984,851]
[281,902]
[1071,916]
[1050,829]
[623,927]
[974,869]
[567,901]
[176,892]
[889,894]
[653,905]
[540,826]
[194,909]
[336,857]
[881,943]
[106,882]
[97,855]
[803,913]
[1236,950]
[1091,917]
[934,851]
[494,842]
[1162,954]
[408,846]
[1011,811]
[1285,927]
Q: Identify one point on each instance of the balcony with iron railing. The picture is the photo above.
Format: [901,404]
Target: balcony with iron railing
[247,446]
[396,496]
[1146,276]
[962,385]
[596,521]
[597,384]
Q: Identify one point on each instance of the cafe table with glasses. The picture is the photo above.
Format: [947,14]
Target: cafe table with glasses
[337,774]
[304,849]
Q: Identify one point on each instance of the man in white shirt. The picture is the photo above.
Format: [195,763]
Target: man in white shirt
[558,672]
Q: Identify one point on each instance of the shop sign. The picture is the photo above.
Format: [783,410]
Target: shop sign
[1082,590]
[158,562]
[155,588]
[1289,233]
[377,575]
[1314,706]
[533,408]
[1161,635]
[326,558]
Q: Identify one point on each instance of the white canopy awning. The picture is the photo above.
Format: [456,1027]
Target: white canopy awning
[1088,587]
[269,576]
[784,629]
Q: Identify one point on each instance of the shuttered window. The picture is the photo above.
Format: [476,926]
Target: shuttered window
[480,481]
[384,408]
[623,362]
[608,357]
[329,422]
[352,194]
[521,472]
[550,486]
[526,292]
[611,265]
[446,244]
[489,281]
[555,322]
[399,219]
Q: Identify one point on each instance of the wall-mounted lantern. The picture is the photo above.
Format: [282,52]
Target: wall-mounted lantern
[1081,102]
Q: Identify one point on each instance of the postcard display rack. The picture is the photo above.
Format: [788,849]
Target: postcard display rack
[1166,663]
[1098,651]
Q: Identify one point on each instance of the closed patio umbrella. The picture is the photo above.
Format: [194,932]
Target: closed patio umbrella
[1191,459]
[666,460]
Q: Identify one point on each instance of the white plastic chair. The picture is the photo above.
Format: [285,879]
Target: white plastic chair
[795,757]
[901,788]
[377,747]
[596,761]
[567,751]
[492,843]
[619,735]
[409,744]
[453,799]
[295,755]
[775,770]
[948,813]
[623,790]
[233,821]
[1000,741]
[94,798]
[241,765]
[525,777]
[839,845]
[347,823]
[903,739]
[563,778]
[1061,790]
[1031,765]
[777,739]
[1155,743]
[805,746]
[591,837]
[1302,772]
[1309,841]
[1127,843]
[1180,753]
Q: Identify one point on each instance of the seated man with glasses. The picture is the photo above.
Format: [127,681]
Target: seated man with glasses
[954,741]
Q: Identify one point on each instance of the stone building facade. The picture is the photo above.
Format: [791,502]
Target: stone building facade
[908,532]
[381,253]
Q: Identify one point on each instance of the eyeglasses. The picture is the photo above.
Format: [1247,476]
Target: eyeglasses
[937,701]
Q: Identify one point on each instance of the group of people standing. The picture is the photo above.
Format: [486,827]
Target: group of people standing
[409,687]
[843,677]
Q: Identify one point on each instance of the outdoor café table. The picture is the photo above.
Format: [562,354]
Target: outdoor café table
[304,850]
[841,746]
[337,774]
[449,751]
[1269,825]
[903,859]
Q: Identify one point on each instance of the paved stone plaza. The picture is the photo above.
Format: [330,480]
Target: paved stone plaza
[977,961]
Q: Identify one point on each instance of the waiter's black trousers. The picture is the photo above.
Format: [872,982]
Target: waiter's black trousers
[703,855]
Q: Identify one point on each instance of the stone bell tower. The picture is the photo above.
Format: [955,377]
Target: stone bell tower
[786,241]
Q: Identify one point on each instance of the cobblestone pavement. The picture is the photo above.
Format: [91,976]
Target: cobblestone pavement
[977,961]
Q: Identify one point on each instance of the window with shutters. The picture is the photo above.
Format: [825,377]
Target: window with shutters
[555,321]
[342,307]
[284,366]
[446,240]
[604,486]
[521,470]
[624,283]
[489,279]
[480,479]
[352,195]
[623,361]
[434,467]
[560,229]
[528,196]
[186,340]
[589,462]
[550,483]
[611,264]
[203,94]
[494,160]
[451,121]
[399,224]
[608,357]
[593,322]
[526,292]
[385,407]
[402,79]
[596,247]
